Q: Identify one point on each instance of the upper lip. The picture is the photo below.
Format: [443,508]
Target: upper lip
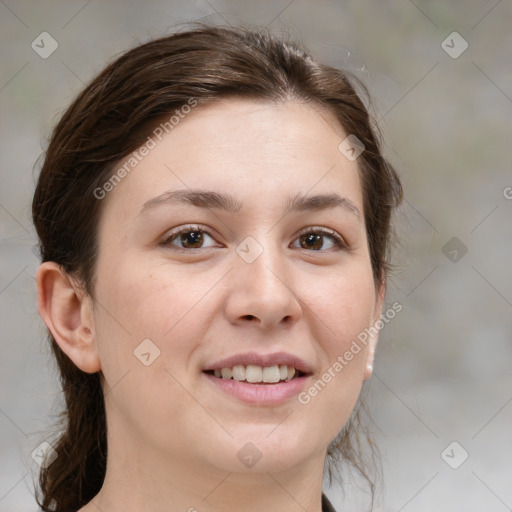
[277,358]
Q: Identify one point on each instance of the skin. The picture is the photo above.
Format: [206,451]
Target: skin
[173,437]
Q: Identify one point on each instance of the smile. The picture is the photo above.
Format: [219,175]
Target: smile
[255,374]
[259,379]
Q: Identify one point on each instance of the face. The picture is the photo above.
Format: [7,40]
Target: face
[192,288]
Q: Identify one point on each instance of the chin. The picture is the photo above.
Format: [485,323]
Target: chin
[267,449]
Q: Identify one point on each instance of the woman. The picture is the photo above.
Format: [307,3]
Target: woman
[214,216]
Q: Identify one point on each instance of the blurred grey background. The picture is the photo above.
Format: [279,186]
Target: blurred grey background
[442,389]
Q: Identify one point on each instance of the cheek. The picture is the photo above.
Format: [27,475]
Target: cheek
[344,308]
[140,304]
[345,303]
[146,338]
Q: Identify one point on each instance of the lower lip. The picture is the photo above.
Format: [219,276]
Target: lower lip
[260,394]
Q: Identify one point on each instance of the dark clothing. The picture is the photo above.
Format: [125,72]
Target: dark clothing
[326,504]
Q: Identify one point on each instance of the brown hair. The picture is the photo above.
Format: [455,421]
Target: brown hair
[111,118]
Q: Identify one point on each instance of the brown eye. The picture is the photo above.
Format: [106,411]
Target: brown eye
[314,239]
[311,241]
[190,237]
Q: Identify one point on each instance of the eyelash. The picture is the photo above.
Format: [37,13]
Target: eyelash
[337,239]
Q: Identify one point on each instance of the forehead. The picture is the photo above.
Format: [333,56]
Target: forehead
[264,126]
[245,148]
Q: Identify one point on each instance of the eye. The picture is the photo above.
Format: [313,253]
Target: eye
[193,237]
[313,239]
[190,237]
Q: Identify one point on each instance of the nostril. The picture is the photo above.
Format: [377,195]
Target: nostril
[249,317]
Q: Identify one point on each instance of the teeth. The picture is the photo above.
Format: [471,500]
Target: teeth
[239,372]
[226,373]
[271,374]
[253,373]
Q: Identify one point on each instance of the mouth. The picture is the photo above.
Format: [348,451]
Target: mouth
[255,374]
[259,379]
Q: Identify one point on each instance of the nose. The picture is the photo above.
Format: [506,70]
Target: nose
[263,292]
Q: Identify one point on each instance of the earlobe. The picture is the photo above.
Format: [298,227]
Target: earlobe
[374,337]
[67,312]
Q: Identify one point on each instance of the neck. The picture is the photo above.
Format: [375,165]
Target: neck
[143,480]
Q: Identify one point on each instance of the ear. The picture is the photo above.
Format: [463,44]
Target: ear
[66,309]
[374,337]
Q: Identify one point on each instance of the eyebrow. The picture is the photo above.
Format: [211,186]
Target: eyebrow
[222,201]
